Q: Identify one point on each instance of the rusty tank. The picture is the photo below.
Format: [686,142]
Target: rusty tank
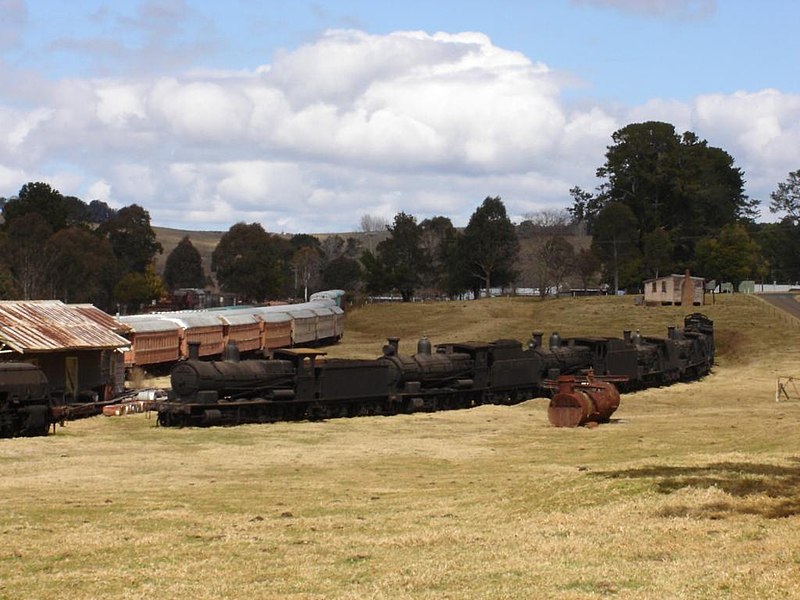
[578,401]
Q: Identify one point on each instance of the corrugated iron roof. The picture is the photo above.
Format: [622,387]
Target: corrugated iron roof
[45,325]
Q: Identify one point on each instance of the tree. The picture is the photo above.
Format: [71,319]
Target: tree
[556,260]
[436,237]
[585,207]
[304,240]
[546,222]
[780,247]
[730,256]
[614,240]
[490,245]
[370,223]
[82,266]
[305,263]
[587,266]
[184,267]
[41,199]
[400,257]
[341,273]
[136,289]
[247,261]
[657,255]
[26,255]
[676,182]
[787,197]
[133,240]
[99,212]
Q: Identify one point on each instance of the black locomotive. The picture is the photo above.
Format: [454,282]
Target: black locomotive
[300,384]
[26,406]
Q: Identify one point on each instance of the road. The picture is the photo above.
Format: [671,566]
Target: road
[786,302]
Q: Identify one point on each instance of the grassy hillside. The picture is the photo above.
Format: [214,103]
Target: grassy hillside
[693,491]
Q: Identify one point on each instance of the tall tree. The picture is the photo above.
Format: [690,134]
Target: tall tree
[132,238]
[26,255]
[99,212]
[657,252]
[41,199]
[306,265]
[401,257]
[82,268]
[780,246]
[184,267]
[247,261]
[614,241]
[341,273]
[676,182]
[436,237]
[587,266]
[490,245]
[585,207]
[787,197]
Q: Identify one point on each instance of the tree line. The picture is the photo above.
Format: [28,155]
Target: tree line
[664,203]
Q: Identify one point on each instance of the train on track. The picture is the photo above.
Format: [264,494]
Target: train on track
[297,384]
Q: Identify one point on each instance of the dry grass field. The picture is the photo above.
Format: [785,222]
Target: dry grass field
[693,491]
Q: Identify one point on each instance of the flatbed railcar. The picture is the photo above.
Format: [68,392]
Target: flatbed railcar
[302,384]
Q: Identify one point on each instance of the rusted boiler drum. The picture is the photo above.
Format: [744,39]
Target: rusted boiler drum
[577,402]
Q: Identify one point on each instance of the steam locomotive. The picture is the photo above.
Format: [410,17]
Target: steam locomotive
[298,384]
[26,407]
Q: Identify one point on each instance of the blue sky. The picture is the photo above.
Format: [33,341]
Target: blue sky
[306,115]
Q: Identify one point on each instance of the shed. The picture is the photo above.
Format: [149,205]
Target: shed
[675,290]
[78,346]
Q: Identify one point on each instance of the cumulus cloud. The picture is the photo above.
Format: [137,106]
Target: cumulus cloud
[354,123]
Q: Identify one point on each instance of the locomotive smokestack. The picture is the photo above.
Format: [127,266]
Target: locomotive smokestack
[424,346]
[194,350]
[626,335]
[555,340]
[671,332]
[537,339]
[394,342]
[231,352]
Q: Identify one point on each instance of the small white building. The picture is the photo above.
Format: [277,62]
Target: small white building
[678,290]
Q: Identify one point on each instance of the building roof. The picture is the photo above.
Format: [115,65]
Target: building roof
[50,325]
[674,276]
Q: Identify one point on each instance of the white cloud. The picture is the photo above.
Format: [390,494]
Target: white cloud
[356,123]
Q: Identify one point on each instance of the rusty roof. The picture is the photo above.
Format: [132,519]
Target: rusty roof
[50,325]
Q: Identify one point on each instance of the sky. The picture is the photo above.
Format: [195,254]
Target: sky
[305,116]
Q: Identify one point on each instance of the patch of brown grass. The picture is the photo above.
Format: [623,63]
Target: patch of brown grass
[689,492]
